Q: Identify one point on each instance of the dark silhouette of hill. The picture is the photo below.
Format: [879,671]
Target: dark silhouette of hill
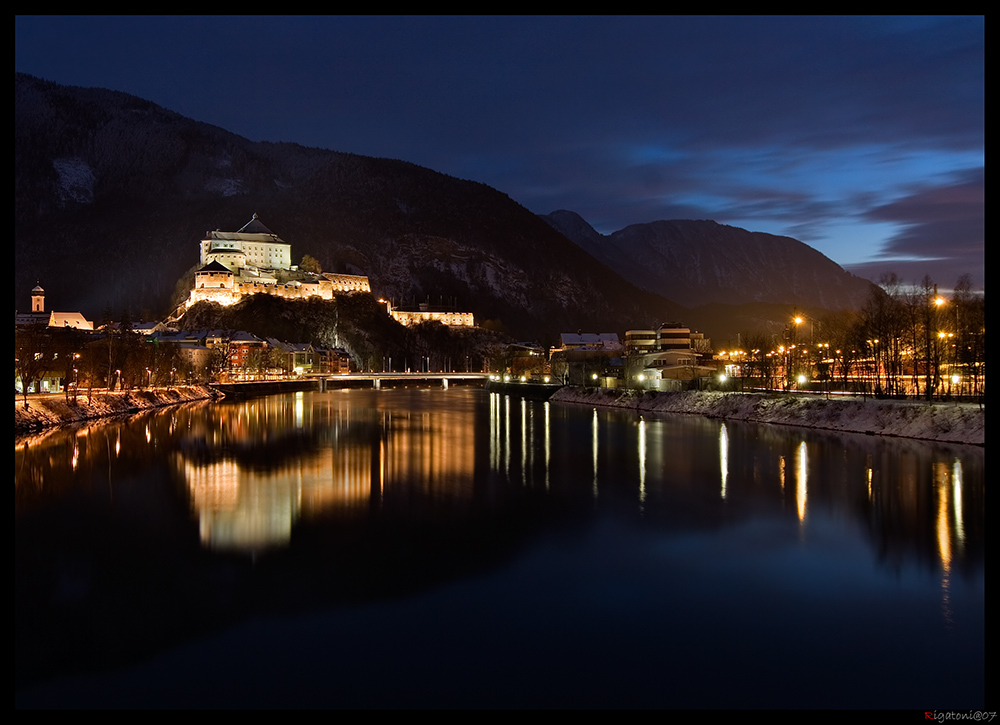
[113,194]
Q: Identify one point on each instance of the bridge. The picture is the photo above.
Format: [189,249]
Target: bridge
[328,381]
[376,380]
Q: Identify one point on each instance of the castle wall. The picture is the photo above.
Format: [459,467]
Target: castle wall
[348,282]
[228,290]
[452,319]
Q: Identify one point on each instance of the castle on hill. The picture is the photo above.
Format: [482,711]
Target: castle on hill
[255,260]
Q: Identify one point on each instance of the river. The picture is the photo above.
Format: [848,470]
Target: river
[422,547]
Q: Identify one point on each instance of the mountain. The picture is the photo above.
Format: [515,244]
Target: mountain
[700,262]
[113,194]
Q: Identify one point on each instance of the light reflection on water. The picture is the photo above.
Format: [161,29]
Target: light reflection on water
[814,532]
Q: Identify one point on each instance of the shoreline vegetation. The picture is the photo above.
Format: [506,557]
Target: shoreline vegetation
[946,422]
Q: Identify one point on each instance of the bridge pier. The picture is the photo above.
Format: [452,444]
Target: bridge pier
[377,384]
[445,381]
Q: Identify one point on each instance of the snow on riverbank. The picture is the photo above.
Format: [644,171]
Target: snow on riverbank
[946,422]
[47,411]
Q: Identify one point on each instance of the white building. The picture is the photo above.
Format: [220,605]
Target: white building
[38,315]
[253,246]
[425,314]
[255,260]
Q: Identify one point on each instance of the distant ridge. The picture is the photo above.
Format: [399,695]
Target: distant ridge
[699,262]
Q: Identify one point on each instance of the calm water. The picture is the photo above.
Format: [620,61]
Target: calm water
[427,547]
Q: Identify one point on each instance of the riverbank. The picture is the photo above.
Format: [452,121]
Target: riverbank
[531,391]
[945,422]
[48,411]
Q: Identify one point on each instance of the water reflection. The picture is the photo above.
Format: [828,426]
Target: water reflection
[253,469]
[801,479]
[754,466]
[723,456]
[642,460]
[755,538]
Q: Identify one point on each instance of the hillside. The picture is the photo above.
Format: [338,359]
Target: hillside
[113,194]
[700,262]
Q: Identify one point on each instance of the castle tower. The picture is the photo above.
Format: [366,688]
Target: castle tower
[38,299]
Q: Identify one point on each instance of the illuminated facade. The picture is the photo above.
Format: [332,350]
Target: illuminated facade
[255,260]
[424,314]
[38,315]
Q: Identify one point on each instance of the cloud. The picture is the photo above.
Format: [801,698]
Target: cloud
[943,220]
[944,223]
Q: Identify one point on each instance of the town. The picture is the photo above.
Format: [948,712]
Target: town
[898,346]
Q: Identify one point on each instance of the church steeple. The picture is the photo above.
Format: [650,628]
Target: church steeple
[38,299]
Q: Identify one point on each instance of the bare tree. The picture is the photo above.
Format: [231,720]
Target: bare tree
[32,355]
[969,329]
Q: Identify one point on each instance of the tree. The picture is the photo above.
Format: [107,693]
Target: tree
[32,355]
[107,329]
[969,315]
[128,357]
[310,264]
[758,362]
[931,302]
[220,361]
[67,345]
[883,320]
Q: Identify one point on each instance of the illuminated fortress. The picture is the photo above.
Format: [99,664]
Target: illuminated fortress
[255,260]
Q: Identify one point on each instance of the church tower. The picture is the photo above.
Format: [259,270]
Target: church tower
[38,299]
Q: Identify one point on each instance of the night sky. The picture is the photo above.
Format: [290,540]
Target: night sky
[862,136]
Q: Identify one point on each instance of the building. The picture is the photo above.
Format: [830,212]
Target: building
[254,246]
[255,260]
[673,336]
[335,360]
[666,358]
[607,341]
[638,342]
[425,313]
[38,315]
[526,359]
[587,358]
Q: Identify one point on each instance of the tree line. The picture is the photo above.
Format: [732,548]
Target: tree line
[906,340]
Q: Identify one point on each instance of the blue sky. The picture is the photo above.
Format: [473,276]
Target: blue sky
[861,136]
